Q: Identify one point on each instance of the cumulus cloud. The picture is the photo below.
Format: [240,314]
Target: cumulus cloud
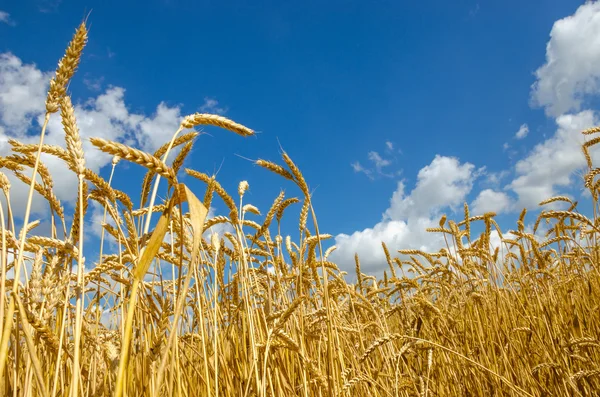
[22,93]
[570,75]
[490,200]
[367,244]
[523,131]
[157,129]
[552,164]
[571,70]
[441,185]
[495,178]
[23,90]
[549,169]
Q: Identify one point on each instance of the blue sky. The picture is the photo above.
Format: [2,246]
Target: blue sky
[396,112]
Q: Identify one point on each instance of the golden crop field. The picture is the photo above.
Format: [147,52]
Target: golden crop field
[251,312]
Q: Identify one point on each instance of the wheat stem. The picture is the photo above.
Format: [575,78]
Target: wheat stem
[8,323]
[80,296]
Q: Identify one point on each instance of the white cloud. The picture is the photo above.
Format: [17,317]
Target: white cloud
[490,200]
[154,131]
[5,18]
[22,105]
[572,68]
[93,84]
[378,164]
[570,75]
[22,93]
[48,6]
[211,105]
[378,161]
[494,178]
[358,168]
[441,185]
[552,163]
[523,131]
[397,234]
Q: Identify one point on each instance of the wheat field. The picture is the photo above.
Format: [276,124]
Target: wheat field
[251,312]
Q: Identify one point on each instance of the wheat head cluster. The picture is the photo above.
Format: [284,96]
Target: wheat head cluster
[249,312]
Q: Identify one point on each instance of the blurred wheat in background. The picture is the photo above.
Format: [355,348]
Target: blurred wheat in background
[251,312]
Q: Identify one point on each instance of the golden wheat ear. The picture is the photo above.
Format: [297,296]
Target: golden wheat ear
[66,69]
[136,156]
[217,121]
